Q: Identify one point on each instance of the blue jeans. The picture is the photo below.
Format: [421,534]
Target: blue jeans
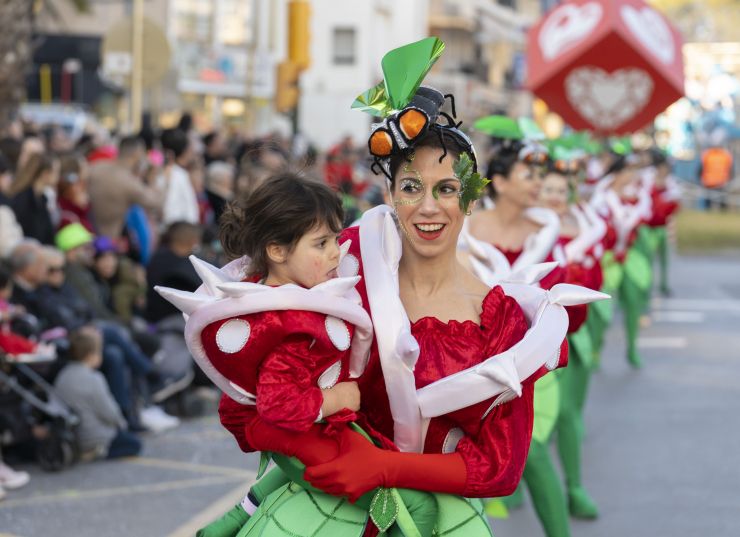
[122,362]
[115,335]
[124,444]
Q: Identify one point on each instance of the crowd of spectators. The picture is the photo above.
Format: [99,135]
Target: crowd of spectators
[89,226]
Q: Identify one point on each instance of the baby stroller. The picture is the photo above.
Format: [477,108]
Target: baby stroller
[32,413]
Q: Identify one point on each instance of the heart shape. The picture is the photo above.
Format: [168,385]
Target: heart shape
[608,100]
[650,29]
[566,26]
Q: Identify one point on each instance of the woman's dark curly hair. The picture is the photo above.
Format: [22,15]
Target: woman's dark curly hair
[281,210]
[505,155]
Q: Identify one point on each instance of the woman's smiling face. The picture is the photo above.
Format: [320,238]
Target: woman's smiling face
[426,196]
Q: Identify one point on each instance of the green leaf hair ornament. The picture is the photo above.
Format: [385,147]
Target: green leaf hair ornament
[404,68]
[471,182]
[499,127]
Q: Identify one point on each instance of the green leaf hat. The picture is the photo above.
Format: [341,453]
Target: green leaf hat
[409,110]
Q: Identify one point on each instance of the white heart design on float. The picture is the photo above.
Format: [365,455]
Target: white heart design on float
[608,100]
[651,30]
[566,26]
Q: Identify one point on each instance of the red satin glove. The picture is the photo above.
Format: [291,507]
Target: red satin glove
[310,447]
[361,467]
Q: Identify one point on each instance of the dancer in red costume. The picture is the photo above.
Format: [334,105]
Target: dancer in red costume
[527,237]
[581,236]
[623,199]
[450,374]
[666,195]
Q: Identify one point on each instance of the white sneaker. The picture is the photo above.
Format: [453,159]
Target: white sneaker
[157,420]
[11,479]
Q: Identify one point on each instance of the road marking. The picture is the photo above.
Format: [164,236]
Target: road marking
[190,467]
[679,316]
[192,436]
[213,511]
[719,304]
[662,342]
[76,495]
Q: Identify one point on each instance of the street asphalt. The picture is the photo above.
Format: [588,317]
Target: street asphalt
[661,454]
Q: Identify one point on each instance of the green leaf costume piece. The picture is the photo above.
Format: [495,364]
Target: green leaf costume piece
[637,268]
[580,342]
[613,272]
[530,130]
[265,458]
[374,101]
[404,68]
[471,182]
[384,509]
[546,407]
[292,511]
[499,127]
[461,517]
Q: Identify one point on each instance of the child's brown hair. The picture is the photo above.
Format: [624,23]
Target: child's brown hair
[83,342]
[279,211]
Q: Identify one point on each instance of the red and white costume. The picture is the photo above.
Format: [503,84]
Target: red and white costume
[437,387]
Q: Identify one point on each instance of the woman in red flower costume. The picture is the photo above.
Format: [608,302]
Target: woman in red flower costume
[450,373]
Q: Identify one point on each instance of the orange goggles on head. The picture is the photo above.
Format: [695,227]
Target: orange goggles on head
[398,132]
[533,154]
[566,166]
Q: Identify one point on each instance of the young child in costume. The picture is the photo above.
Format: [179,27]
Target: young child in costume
[297,363]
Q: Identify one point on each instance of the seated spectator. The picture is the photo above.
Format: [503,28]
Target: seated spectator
[115,186]
[170,267]
[123,361]
[121,282]
[11,343]
[219,187]
[33,197]
[29,273]
[181,202]
[11,232]
[74,200]
[77,244]
[102,431]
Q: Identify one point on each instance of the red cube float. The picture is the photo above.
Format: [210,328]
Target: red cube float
[608,66]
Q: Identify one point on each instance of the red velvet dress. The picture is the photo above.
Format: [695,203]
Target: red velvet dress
[662,208]
[496,439]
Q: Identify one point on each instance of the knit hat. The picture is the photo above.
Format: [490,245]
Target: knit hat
[71,236]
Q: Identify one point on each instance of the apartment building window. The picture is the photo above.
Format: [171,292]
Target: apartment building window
[344,46]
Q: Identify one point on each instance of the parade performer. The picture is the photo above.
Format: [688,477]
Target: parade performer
[527,236]
[451,370]
[666,194]
[581,235]
[626,203]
